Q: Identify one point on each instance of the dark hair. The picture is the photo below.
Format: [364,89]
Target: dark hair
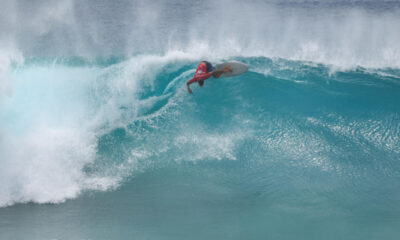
[209,65]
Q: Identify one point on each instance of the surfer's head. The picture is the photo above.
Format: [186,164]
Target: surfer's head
[209,66]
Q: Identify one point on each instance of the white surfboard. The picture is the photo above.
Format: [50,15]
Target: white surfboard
[237,68]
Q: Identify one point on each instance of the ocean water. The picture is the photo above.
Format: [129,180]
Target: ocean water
[99,138]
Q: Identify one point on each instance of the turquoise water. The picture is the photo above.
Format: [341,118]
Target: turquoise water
[296,152]
[305,145]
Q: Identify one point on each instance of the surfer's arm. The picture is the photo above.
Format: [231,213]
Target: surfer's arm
[218,73]
[188,88]
[198,77]
[203,76]
[190,82]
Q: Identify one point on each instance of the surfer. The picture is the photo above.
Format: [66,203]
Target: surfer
[204,71]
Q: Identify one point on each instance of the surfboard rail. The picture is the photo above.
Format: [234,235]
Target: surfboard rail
[237,68]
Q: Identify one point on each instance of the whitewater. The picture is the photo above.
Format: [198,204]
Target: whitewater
[99,138]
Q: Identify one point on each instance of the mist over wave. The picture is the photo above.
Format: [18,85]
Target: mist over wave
[93,93]
[342,33]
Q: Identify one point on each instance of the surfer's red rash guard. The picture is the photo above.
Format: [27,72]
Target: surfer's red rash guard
[201,74]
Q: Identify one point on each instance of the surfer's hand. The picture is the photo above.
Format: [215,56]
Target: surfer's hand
[227,69]
[189,90]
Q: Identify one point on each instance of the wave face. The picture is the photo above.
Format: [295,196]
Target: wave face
[93,100]
[76,125]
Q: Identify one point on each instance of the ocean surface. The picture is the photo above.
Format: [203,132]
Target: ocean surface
[99,138]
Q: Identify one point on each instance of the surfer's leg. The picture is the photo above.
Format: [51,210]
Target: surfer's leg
[201,82]
[217,74]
